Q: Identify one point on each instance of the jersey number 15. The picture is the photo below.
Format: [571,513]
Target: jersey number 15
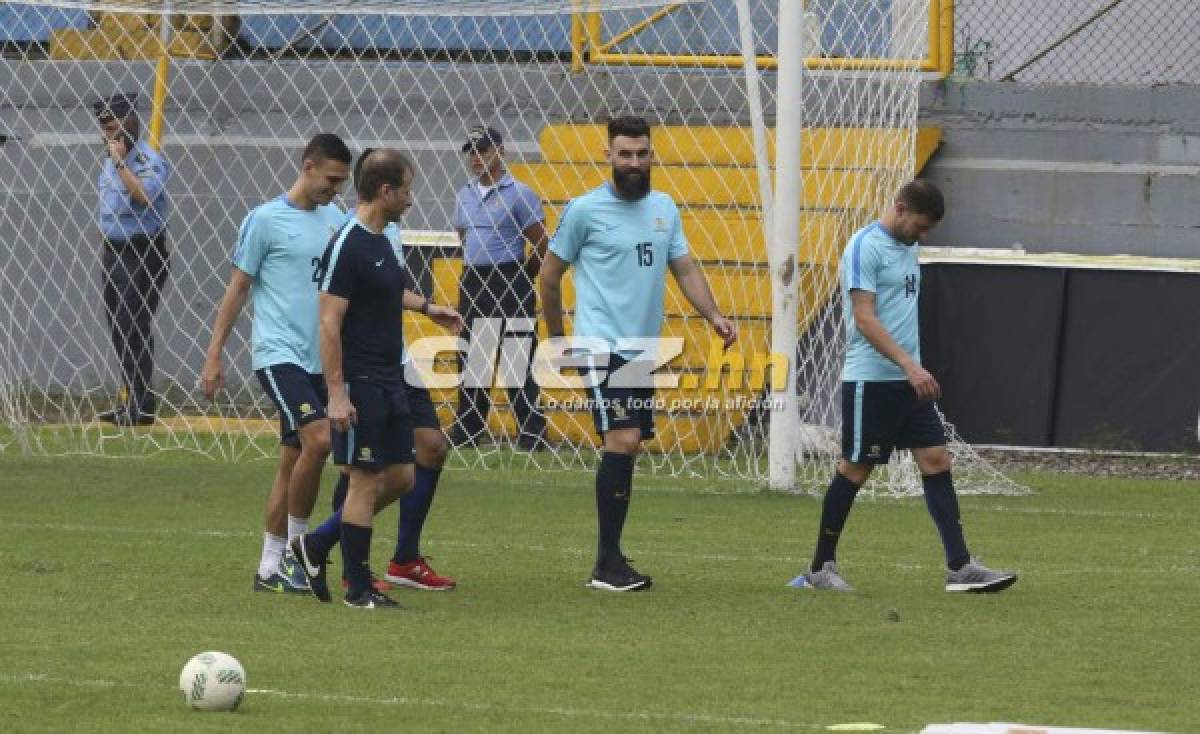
[645,252]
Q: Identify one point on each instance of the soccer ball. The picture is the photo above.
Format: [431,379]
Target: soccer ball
[213,681]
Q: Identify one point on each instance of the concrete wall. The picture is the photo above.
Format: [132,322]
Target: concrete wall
[1080,169]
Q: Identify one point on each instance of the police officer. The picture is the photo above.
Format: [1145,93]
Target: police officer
[132,216]
[495,215]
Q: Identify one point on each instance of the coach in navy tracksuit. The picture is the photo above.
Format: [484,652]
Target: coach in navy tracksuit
[132,216]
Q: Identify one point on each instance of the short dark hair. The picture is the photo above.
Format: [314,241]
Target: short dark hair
[629,126]
[379,166]
[923,197]
[327,146]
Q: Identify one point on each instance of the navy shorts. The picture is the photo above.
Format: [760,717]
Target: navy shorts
[383,433]
[420,406]
[299,396]
[615,407]
[878,417]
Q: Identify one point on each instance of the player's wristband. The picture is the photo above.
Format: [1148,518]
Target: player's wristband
[425,307]
[119,165]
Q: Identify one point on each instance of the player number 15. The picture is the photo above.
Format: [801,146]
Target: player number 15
[645,252]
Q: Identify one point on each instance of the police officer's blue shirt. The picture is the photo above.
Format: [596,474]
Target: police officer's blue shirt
[877,262]
[280,247]
[119,216]
[620,250]
[493,224]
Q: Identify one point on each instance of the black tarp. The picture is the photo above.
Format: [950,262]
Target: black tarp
[1130,366]
[1066,357]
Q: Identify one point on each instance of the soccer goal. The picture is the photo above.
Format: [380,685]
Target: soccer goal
[778,133]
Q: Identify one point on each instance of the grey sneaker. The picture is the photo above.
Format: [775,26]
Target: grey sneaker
[978,578]
[827,578]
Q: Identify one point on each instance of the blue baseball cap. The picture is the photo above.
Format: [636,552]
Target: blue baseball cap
[482,139]
[117,106]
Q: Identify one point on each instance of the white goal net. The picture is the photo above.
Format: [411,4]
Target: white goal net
[229,92]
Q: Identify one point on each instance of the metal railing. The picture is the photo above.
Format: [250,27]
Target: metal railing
[590,47]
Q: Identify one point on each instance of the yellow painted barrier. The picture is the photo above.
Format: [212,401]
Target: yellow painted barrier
[834,147]
[735,236]
[710,186]
[690,433]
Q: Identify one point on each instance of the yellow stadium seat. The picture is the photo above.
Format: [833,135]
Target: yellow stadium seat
[82,45]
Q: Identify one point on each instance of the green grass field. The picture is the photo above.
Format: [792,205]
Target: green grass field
[115,572]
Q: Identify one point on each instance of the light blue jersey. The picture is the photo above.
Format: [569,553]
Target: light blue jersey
[620,250]
[396,237]
[877,262]
[280,246]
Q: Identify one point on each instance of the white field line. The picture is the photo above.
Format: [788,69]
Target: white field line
[1135,515]
[561,711]
[582,552]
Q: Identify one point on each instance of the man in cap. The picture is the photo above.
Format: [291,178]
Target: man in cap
[132,216]
[495,215]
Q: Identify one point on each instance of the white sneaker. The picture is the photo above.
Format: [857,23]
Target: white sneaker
[827,578]
[978,578]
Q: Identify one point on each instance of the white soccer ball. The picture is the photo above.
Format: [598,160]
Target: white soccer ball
[213,681]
